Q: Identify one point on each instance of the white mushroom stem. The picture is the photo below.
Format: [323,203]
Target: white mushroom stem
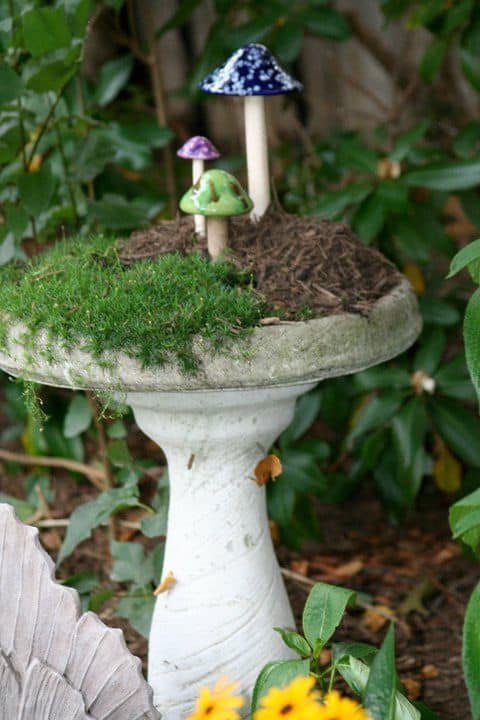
[198,167]
[217,236]
[257,155]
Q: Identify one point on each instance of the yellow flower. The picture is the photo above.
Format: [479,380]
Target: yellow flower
[336,707]
[296,701]
[221,703]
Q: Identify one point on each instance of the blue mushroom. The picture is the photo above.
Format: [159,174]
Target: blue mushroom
[252,72]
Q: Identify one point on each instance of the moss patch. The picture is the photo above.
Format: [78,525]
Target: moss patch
[79,292]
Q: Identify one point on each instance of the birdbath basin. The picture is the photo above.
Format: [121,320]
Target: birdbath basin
[214,426]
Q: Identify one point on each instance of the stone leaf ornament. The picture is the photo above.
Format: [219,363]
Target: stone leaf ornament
[56,664]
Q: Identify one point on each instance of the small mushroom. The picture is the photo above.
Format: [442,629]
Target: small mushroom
[198,149]
[217,195]
[253,72]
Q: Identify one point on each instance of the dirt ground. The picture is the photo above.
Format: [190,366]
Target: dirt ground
[413,574]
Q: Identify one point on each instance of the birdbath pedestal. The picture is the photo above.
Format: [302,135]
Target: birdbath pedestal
[214,426]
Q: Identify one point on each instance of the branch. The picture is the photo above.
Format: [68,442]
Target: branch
[382,54]
[96,477]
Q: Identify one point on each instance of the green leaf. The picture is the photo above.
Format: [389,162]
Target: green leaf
[119,454]
[438,311]
[138,607]
[468,254]
[404,142]
[36,189]
[464,519]
[113,77]
[114,212]
[446,177]
[92,154]
[356,673]
[45,29]
[382,376]
[409,427]
[295,641]
[331,204]
[17,220]
[79,16]
[306,410]
[91,514]
[278,674]
[281,501]
[432,344]
[353,153]
[459,428]
[471,330]
[467,140]
[470,64]
[300,471]
[288,41]
[11,85]
[433,59]
[78,416]
[23,509]
[323,612]
[471,651]
[369,218]
[380,692]
[327,22]
[130,563]
[155,525]
[376,413]
[53,72]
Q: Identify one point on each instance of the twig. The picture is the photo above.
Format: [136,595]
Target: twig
[160,107]
[45,123]
[102,440]
[65,522]
[96,477]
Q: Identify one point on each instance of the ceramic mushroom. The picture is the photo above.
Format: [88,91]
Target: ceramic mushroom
[217,195]
[198,149]
[252,72]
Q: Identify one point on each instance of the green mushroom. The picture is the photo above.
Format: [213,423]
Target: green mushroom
[218,196]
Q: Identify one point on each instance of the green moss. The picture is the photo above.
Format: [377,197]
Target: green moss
[80,293]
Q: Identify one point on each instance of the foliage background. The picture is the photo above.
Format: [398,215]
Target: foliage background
[94,99]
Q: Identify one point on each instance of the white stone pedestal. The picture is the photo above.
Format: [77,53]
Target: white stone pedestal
[219,616]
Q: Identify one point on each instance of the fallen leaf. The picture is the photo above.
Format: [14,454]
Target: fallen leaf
[274,531]
[415,275]
[267,469]
[348,569]
[325,657]
[447,470]
[270,321]
[450,551]
[377,616]
[412,686]
[167,582]
[429,672]
[300,567]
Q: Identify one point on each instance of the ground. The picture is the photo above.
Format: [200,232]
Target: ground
[414,574]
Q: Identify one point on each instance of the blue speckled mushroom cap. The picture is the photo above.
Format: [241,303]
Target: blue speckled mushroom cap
[251,70]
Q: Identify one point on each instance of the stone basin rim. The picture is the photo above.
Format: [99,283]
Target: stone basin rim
[275,355]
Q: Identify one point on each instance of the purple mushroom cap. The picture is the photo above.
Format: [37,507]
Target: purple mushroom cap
[251,70]
[198,148]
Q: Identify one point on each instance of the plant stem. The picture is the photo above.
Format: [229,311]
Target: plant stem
[160,108]
[96,477]
[71,193]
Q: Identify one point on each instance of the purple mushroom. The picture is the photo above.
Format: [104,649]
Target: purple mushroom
[253,72]
[198,149]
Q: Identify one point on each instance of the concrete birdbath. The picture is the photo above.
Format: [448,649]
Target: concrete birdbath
[214,424]
[214,427]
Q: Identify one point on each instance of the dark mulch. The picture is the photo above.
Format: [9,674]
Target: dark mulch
[296,263]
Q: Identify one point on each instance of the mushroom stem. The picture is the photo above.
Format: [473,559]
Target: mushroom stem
[217,235]
[197,172]
[257,155]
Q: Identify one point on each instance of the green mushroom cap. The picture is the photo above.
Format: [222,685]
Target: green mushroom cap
[216,193]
